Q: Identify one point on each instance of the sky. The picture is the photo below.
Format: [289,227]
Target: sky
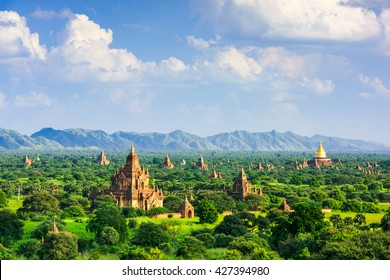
[202,66]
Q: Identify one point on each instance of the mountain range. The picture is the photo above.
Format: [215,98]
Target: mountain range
[69,139]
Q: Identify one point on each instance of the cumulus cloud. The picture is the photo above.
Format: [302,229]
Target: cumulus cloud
[376,84]
[16,40]
[32,99]
[49,14]
[385,21]
[298,19]
[199,43]
[173,64]
[318,86]
[366,95]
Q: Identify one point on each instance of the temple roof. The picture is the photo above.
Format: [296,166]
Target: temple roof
[320,153]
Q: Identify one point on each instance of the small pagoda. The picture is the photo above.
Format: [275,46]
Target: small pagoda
[102,160]
[167,163]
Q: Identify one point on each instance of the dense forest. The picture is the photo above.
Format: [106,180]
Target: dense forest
[339,212]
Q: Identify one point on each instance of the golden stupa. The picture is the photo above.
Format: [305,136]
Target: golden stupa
[320,157]
[320,151]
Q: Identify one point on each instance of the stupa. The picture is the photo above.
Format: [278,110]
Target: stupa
[102,160]
[320,158]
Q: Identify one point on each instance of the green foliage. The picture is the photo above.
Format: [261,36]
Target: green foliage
[43,228]
[40,203]
[11,228]
[59,246]
[255,202]
[385,222]
[73,212]
[206,211]
[104,200]
[6,254]
[191,248]
[232,255]
[231,225]
[109,236]
[28,249]
[307,218]
[298,247]
[296,179]
[108,216]
[365,246]
[223,240]
[359,219]
[336,220]
[130,212]
[3,199]
[150,235]
[133,223]
[352,205]
[135,253]
[221,200]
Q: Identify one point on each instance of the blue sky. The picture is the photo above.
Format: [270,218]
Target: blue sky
[205,67]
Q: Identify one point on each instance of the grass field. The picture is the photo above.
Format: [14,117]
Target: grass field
[370,217]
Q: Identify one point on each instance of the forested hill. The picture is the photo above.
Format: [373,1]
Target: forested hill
[52,139]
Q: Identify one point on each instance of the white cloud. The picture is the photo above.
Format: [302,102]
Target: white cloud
[385,21]
[376,84]
[298,19]
[318,86]
[16,40]
[32,99]
[43,14]
[366,95]
[280,97]
[199,43]
[173,64]
[2,100]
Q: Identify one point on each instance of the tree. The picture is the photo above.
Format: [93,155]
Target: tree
[28,249]
[3,199]
[307,218]
[368,245]
[255,202]
[59,246]
[206,211]
[336,220]
[109,236]
[40,203]
[43,228]
[191,248]
[359,219]
[385,222]
[108,216]
[296,179]
[11,228]
[150,235]
[231,225]
[103,200]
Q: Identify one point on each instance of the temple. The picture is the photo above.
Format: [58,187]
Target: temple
[241,187]
[167,163]
[102,160]
[215,175]
[130,186]
[201,164]
[186,209]
[27,161]
[284,206]
[320,158]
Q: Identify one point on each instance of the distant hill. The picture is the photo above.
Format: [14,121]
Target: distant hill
[52,139]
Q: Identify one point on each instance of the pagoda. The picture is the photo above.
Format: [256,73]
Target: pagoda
[186,209]
[201,164]
[320,158]
[27,161]
[241,187]
[130,186]
[167,163]
[102,160]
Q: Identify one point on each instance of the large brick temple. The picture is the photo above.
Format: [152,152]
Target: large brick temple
[130,186]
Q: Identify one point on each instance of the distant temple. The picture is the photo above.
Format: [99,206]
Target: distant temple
[241,187]
[215,175]
[102,160]
[130,186]
[259,167]
[186,209]
[167,163]
[27,161]
[201,164]
[320,158]
[284,206]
